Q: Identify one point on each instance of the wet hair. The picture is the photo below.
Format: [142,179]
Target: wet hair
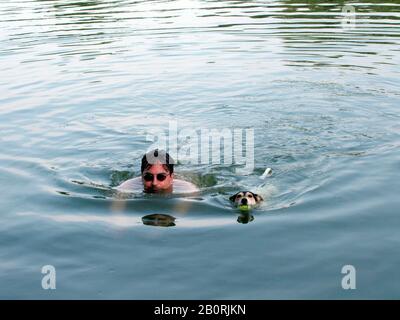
[153,156]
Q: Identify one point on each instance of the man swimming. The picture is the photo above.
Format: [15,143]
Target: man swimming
[157,176]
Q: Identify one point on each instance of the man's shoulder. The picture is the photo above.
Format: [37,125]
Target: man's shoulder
[184,186]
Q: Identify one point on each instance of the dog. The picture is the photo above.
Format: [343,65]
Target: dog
[246,200]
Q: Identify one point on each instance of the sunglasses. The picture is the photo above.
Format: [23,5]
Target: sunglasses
[149,176]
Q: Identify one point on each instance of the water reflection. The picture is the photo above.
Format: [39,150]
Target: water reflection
[88,29]
[317,5]
[159,220]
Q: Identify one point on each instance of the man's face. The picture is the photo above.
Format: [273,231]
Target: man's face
[156,178]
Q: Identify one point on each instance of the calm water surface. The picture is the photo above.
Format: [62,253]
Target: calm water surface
[83,83]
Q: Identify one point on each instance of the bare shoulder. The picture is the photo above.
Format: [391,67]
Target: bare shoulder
[182,186]
[131,185]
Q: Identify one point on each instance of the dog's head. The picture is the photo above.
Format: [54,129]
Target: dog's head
[246,199]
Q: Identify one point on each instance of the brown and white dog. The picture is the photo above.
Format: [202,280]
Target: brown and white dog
[246,200]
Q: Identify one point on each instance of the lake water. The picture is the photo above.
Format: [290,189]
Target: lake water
[83,86]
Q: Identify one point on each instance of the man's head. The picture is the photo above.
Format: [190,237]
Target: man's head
[157,171]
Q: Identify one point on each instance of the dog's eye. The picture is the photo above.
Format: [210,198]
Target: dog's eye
[239,196]
[250,196]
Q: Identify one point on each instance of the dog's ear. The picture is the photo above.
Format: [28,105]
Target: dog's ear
[258,197]
[232,198]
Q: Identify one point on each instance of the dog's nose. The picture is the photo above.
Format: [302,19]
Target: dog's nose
[244,201]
